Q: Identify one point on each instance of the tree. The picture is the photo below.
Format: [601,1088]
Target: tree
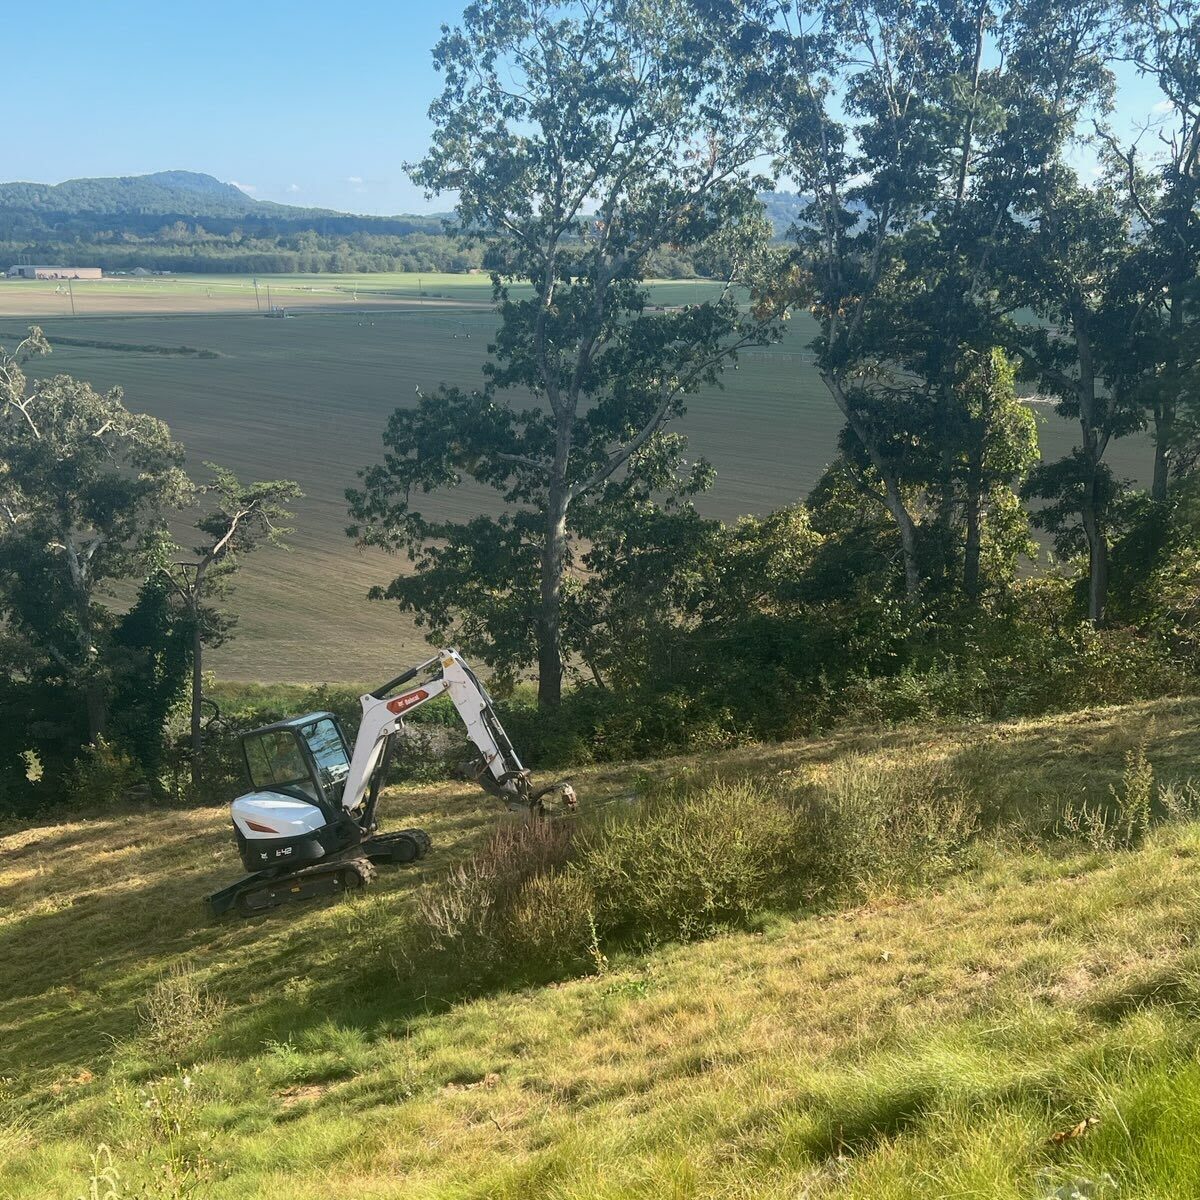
[84,488]
[1157,300]
[918,131]
[242,518]
[1079,241]
[580,139]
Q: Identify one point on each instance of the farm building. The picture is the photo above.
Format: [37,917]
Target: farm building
[24,272]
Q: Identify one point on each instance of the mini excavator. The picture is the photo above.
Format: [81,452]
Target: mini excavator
[307,828]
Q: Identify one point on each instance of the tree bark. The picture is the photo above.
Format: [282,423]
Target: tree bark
[1164,427]
[1164,406]
[549,632]
[973,542]
[197,695]
[893,498]
[1094,441]
[1097,559]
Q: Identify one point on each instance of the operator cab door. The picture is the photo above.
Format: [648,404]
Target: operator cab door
[306,759]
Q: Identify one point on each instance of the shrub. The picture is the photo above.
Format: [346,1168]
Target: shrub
[102,775]
[684,866]
[878,827]
[483,911]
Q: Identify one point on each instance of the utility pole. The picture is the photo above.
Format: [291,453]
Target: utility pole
[257,305]
[71,293]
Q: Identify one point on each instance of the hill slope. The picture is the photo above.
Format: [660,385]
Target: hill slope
[140,205]
[926,1043]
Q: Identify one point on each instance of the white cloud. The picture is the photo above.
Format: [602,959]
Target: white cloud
[354,179]
[249,188]
[1164,106]
[293,187]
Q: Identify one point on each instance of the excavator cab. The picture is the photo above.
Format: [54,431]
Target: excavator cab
[305,757]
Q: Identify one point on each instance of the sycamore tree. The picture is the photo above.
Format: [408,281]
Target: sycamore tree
[579,139]
[238,519]
[85,486]
[918,131]
[1158,174]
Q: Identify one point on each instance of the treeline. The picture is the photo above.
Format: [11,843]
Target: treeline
[194,249]
[188,248]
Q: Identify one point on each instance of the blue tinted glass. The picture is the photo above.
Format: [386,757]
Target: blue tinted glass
[327,746]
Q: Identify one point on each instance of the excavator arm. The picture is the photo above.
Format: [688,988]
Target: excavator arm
[500,772]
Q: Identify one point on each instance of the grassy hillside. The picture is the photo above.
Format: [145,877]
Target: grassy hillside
[1024,1027]
[308,399]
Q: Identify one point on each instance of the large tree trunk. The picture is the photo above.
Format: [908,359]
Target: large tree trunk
[893,496]
[1164,427]
[197,696]
[1091,426]
[1097,541]
[1164,407]
[549,631]
[974,535]
[908,536]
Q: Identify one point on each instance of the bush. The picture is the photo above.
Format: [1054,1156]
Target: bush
[879,827]
[508,905]
[683,866]
[102,775]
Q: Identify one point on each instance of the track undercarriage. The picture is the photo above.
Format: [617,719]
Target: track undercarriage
[344,871]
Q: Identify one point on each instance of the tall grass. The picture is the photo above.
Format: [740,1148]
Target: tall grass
[692,859]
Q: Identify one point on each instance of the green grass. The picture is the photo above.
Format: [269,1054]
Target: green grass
[926,1043]
[308,398]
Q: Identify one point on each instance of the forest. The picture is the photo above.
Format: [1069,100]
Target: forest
[979,231]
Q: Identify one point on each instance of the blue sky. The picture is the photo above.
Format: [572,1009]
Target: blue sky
[297,101]
[304,103]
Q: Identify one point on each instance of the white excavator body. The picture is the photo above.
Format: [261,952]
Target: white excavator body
[308,826]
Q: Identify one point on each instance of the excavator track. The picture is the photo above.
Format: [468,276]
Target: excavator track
[322,879]
[403,846]
[345,872]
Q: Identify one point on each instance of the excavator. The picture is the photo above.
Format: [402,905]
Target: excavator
[307,827]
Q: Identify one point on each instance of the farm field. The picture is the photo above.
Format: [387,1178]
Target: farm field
[129,295]
[308,397]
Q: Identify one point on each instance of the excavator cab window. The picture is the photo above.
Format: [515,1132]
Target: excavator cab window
[306,757]
[274,759]
[328,750]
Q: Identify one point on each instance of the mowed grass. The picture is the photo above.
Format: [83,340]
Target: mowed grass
[308,399]
[927,1044]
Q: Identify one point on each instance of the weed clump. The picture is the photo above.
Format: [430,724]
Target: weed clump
[684,866]
[878,828]
[178,1012]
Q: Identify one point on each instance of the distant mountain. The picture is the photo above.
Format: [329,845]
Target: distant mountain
[187,221]
[782,209]
[142,203]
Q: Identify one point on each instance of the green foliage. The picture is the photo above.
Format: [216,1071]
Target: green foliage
[101,775]
[878,828]
[533,131]
[682,866]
